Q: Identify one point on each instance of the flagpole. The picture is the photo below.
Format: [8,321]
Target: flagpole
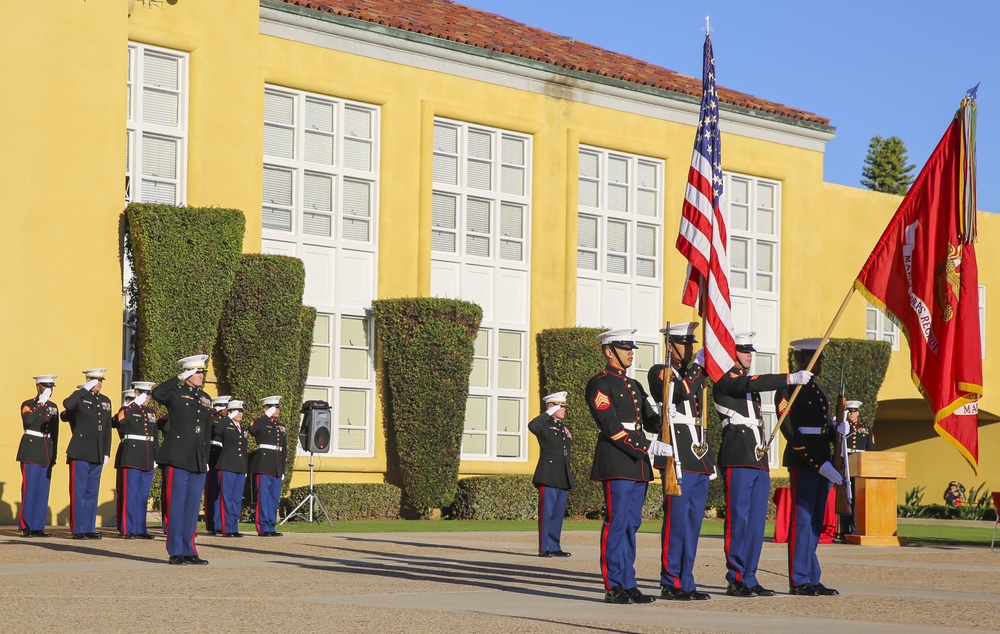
[812,362]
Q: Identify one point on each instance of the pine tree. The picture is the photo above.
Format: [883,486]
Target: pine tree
[885,167]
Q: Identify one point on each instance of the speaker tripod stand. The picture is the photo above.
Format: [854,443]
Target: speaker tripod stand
[312,498]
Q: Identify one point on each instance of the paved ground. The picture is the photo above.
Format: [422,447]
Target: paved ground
[468,582]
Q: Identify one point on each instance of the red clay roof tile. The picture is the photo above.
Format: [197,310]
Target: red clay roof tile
[458,23]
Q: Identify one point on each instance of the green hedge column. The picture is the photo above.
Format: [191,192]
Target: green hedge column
[261,339]
[568,358]
[427,347]
[184,262]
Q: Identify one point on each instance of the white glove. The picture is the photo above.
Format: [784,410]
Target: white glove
[799,378]
[43,398]
[699,357]
[105,460]
[657,448]
[552,410]
[843,428]
[829,472]
[187,373]
[672,410]
[715,474]
[233,415]
[269,412]
[141,399]
[91,384]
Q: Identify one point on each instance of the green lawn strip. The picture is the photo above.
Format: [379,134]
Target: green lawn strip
[931,534]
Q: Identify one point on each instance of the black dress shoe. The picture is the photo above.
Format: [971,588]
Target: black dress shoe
[40,534]
[195,560]
[804,590]
[761,591]
[232,534]
[129,536]
[27,533]
[94,535]
[545,553]
[739,589]
[214,533]
[273,534]
[177,560]
[144,536]
[700,596]
[824,591]
[639,598]
[674,594]
[617,594]
[81,535]
[561,553]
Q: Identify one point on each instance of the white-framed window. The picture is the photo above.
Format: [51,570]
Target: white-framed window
[878,327]
[320,204]
[157,107]
[341,371]
[752,207]
[982,319]
[480,220]
[620,241]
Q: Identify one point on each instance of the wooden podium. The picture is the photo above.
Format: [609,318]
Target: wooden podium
[875,474]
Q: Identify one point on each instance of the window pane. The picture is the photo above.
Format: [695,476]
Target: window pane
[318,192]
[765,257]
[478,215]
[319,147]
[739,217]
[351,439]
[586,235]
[646,173]
[617,236]
[478,246]
[586,260]
[508,447]
[645,268]
[480,144]
[279,141]
[513,251]
[279,108]
[512,180]
[871,318]
[445,138]
[617,169]
[588,164]
[509,415]
[765,282]
[317,224]
[358,154]
[277,186]
[321,330]
[357,230]
[159,157]
[353,364]
[319,362]
[473,444]
[353,406]
[646,240]
[481,347]
[588,192]
[509,374]
[765,221]
[354,332]
[617,198]
[737,253]
[480,376]
[511,225]
[617,264]
[441,241]
[357,198]
[445,169]
[479,175]
[645,203]
[161,71]
[475,413]
[357,123]
[739,191]
[278,219]
[312,393]
[319,115]
[443,211]
[645,358]
[161,108]
[765,195]
[509,345]
[512,151]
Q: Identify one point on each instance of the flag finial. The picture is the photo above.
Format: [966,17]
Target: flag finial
[708,27]
[971,92]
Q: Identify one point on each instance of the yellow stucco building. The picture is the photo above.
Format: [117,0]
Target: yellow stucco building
[412,149]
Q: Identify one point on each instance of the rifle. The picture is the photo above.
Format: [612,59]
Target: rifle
[844,493]
[672,472]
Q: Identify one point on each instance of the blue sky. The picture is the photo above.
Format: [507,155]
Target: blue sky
[880,67]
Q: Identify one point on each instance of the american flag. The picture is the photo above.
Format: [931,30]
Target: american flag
[702,235]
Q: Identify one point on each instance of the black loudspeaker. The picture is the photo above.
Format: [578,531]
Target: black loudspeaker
[316,428]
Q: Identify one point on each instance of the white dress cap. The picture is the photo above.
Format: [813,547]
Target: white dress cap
[221,400]
[853,404]
[127,395]
[558,398]
[271,401]
[234,405]
[812,343]
[46,378]
[682,332]
[144,386]
[194,362]
[744,341]
[95,373]
[622,338]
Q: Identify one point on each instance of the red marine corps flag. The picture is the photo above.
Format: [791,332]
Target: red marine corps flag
[922,275]
[702,235]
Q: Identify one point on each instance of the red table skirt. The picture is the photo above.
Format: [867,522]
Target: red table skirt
[783,502]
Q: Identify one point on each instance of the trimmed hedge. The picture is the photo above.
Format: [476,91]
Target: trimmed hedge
[427,347]
[351,501]
[567,358]
[864,362]
[184,262]
[503,497]
[260,340]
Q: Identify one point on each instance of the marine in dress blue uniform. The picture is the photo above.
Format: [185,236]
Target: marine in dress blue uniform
[683,514]
[746,475]
[552,475]
[621,409]
[212,508]
[89,415]
[859,438]
[809,435]
[230,471]
[37,454]
[268,465]
[135,459]
[183,457]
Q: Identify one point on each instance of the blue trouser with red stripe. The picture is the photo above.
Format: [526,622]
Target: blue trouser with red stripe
[623,500]
[810,492]
[682,517]
[230,502]
[35,482]
[182,493]
[268,489]
[747,490]
[133,499]
[551,511]
[84,485]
